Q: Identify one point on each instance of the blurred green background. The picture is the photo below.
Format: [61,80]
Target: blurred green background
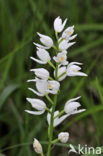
[19,22]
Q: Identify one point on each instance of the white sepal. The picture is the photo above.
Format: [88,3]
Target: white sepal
[38,104]
[63,137]
[41,73]
[46,40]
[37,146]
[64,45]
[57,120]
[74,70]
[43,55]
[58,25]
[68,32]
[71,106]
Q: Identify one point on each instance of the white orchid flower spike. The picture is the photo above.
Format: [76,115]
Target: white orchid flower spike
[74,70]
[43,55]
[61,58]
[72,105]
[39,105]
[45,87]
[45,40]
[58,25]
[41,73]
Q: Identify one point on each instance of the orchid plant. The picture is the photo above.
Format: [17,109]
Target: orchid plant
[46,84]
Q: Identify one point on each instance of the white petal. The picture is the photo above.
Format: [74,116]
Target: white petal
[72,37]
[33,80]
[79,111]
[74,99]
[38,61]
[58,26]
[46,40]
[40,46]
[43,55]
[35,92]
[35,112]
[64,45]
[41,86]
[37,103]
[60,120]
[41,73]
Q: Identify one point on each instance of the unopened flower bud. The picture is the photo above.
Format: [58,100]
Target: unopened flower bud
[37,146]
[63,137]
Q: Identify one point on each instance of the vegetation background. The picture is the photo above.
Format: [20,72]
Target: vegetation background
[19,22]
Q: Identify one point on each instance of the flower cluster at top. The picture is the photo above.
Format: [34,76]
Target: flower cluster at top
[45,84]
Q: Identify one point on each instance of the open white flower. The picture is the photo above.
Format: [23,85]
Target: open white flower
[72,105]
[39,105]
[74,70]
[43,56]
[64,45]
[58,25]
[37,146]
[57,120]
[61,58]
[41,73]
[45,87]
[63,137]
[61,73]
[45,40]
[67,34]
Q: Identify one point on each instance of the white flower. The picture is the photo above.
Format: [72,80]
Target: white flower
[73,69]
[71,106]
[58,25]
[37,146]
[45,40]
[39,105]
[61,58]
[64,45]
[61,70]
[72,149]
[57,120]
[45,87]
[63,137]
[67,34]
[41,73]
[43,56]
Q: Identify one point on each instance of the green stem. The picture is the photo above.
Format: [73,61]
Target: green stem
[49,99]
[42,154]
[51,64]
[51,126]
[61,75]
[55,141]
[61,113]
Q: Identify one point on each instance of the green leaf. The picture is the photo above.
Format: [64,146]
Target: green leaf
[7,92]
